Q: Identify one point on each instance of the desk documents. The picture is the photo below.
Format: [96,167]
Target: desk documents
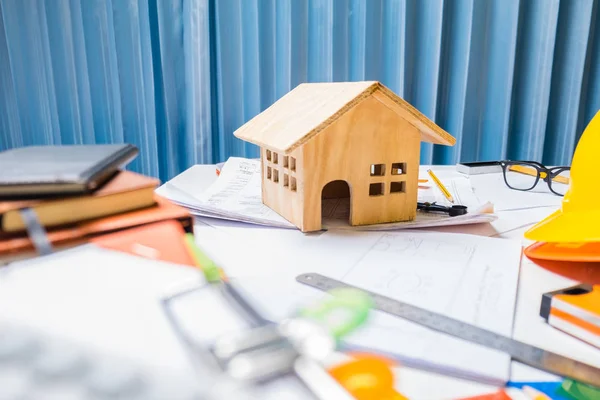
[493,188]
[473,279]
[105,306]
[105,302]
[236,195]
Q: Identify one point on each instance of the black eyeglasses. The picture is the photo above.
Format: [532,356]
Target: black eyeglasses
[525,175]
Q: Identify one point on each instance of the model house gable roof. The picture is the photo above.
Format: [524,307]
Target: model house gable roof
[311,107]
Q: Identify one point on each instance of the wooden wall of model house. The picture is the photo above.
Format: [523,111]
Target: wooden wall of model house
[368,134]
[283,186]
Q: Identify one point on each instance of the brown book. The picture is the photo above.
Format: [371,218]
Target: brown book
[83,231]
[127,191]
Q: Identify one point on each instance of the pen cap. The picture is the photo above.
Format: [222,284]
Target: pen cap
[578,220]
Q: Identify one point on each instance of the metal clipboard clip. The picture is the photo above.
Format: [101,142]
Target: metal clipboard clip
[246,363]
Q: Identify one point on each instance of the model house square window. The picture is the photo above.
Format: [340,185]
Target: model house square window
[275,158]
[286,161]
[399,168]
[377,169]
[275,176]
[268,155]
[268,172]
[397,187]
[376,189]
[292,184]
[292,163]
[286,180]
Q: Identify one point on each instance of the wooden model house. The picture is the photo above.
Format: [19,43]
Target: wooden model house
[356,139]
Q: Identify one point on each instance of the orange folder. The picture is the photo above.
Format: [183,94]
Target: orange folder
[158,241]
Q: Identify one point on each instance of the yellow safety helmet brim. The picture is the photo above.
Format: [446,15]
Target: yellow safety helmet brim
[561,227]
[578,219]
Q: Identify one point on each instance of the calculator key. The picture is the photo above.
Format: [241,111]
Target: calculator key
[14,383]
[60,391]
[114,380]
[16,345]
[162,390]
[59,361]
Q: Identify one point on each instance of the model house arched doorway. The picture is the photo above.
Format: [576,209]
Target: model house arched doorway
[336,201]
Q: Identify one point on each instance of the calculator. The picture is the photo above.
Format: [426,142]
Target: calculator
[39,366]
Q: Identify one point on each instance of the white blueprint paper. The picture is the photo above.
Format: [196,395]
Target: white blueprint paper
[236,195]
[470,278]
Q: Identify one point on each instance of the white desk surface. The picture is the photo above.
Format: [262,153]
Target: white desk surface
[529,327]
[534,281]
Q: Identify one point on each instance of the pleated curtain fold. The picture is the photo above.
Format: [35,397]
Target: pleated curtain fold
[515,79]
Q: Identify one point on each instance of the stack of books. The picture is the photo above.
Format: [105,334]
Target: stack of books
[77,194]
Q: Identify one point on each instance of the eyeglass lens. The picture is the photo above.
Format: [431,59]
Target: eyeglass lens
[560,182]
[521,176]
[526,176]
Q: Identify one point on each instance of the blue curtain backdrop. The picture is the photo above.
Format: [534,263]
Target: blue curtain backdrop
[509,78]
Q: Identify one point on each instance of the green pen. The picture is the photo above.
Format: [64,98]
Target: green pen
[216,276]
[208,266]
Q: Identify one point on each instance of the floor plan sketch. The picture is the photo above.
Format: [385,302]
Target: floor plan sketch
[413,269]
[467,277]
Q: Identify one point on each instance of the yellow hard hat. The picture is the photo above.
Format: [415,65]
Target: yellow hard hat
[578,220]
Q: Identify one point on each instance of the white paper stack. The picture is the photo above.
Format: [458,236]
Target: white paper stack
[235,194]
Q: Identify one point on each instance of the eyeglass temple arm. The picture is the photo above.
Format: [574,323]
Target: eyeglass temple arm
[533,172]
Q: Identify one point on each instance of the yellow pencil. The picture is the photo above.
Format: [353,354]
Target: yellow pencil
[441,186]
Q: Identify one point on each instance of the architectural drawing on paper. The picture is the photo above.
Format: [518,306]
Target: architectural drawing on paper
[419,277]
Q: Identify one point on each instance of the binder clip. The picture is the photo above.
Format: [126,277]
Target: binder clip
[452,211]
[243,364]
